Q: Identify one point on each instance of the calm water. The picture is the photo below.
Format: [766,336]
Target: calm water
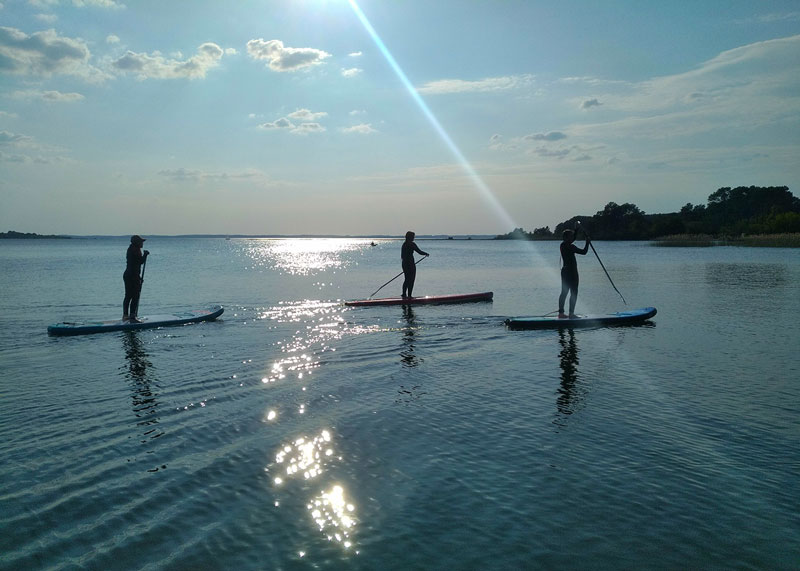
[298,434]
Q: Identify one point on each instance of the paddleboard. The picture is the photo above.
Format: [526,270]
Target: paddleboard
[428,299]
[148,322]
[553,322]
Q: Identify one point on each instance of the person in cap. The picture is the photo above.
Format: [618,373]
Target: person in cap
[569,272]
[409,265]
[135,257]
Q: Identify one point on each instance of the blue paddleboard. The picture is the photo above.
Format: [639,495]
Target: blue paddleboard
[632,316]
[181,318]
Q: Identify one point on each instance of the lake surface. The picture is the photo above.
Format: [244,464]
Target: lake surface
[296,433]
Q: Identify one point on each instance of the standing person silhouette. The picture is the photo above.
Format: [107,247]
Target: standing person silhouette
[409,265]
[132,278]
[569,272]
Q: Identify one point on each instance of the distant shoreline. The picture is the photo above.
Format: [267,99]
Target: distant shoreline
[786,240]
[11,235]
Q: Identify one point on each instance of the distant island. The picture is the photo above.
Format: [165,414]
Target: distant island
[747,215]
[11,235]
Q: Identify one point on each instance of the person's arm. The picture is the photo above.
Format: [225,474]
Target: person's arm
[585,246]
[418,251]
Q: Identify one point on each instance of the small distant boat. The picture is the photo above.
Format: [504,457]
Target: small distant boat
[149,322]
[630,317]
[428,299]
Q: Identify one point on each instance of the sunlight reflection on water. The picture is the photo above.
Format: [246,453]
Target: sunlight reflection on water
[306,459]
[302,256]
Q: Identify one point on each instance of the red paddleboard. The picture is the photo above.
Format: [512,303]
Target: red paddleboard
[428,299]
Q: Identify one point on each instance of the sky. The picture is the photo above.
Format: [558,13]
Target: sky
[373,117]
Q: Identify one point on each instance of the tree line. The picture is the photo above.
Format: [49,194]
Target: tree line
[728,212]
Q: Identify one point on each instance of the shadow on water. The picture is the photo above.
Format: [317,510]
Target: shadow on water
[144,397]
[571,393]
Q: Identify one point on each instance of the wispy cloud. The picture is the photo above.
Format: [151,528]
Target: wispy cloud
[194,175]
[550,136]
[156,66]
[283,58]
[8,138]
[351,72]
[589,103]
[445,86]
[49,96]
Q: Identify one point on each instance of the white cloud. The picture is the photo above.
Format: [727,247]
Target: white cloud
[355,112]
[112,39]
[156,66]
[282,123]
[361,129]
[304,128]
[490,84]
[351,72]
[282,58]
[44,53]
[307,115]
[354,54]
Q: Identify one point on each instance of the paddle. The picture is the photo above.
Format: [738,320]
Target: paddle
[578,225]
[394,278]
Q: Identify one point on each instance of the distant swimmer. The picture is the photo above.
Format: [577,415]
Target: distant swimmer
[409,265]
[132,278]
[569,271]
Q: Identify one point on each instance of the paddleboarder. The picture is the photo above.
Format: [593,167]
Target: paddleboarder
[409,265]
[569,272]
[135,257]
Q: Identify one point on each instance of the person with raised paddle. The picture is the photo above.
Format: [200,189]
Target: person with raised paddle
[409,265]
[569,272]
[135,258]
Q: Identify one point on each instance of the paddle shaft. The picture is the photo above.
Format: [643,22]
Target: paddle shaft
[602,265]
[394,278]
[141,281]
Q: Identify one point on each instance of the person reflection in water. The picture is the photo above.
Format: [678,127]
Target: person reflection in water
[569,272]
[409,266]
[132,278]
[568,358]
[407,356]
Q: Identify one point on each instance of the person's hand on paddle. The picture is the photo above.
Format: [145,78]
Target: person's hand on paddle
[146,253]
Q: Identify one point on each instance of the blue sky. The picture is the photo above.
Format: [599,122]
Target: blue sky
[291,117]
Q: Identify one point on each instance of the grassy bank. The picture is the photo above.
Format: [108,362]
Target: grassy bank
[788,240]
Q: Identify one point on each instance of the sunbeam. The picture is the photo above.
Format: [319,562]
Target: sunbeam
[484,190]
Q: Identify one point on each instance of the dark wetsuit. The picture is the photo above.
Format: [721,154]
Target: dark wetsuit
[409,266]
[133,281]
[569,275]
